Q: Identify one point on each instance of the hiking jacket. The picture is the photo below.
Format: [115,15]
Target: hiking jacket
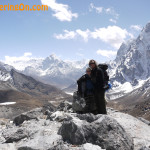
[85,86]
[97,77]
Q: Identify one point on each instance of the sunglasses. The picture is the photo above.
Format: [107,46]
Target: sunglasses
[92,63]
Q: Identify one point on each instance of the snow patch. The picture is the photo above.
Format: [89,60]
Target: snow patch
[70,93]
[8,103]
[89,146]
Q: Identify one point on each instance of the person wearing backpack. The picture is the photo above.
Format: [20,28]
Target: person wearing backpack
[86,91]
[97,77]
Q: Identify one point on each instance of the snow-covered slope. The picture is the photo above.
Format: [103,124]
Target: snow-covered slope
[131,67]
[136,102]
[5,72]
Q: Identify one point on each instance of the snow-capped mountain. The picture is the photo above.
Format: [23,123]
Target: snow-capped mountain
[127,72]
[52,70]
[24,92]
[5,72]
[131,67]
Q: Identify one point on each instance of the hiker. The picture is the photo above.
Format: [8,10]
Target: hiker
[97,77]
[86,91]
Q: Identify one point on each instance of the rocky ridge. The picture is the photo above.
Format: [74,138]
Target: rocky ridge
[50,128]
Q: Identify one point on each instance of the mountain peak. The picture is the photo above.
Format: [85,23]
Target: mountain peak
[53,57]
[147,27]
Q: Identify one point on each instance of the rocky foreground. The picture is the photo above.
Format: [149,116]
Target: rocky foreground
[47,128]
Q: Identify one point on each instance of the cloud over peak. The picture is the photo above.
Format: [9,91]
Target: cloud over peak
[136,27]
[106,53]
[112,35]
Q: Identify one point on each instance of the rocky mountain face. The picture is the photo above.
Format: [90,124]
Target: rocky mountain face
[132,65]
[52,70]
[25,92]
[50,128]
[4,72]
[130,76]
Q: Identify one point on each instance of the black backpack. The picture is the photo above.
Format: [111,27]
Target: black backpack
[104,68]
[81,82]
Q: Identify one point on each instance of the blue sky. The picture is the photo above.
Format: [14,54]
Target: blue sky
[73,29]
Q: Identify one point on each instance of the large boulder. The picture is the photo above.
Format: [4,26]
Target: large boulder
[78,103]
[36,114]
[100,130]
[15,135]
[33,114]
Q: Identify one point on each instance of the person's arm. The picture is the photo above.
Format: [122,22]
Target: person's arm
[79,81]
[79,85]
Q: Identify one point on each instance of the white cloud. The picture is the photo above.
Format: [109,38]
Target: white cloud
[83,34]
[106,53]
[113,35]
[73,34]
[20,62]
[109,11]
[112,12]
[136,27]
[113,20]
[25,57]
[27,54]
[61,11]
[98,9]
[67,35]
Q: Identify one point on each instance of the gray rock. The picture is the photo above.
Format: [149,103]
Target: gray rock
[21,118]
[145,148]
[33,114]
[60,146]
[2,122]
[15,135]
[89,117]
[7,146]
[26,148]
[86,146]
[78,103]
[64,106]
[48,108]
[60,116]
[144,120]
[101,130]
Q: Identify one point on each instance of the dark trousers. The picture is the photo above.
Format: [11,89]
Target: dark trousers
[100,101]
[90,104]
